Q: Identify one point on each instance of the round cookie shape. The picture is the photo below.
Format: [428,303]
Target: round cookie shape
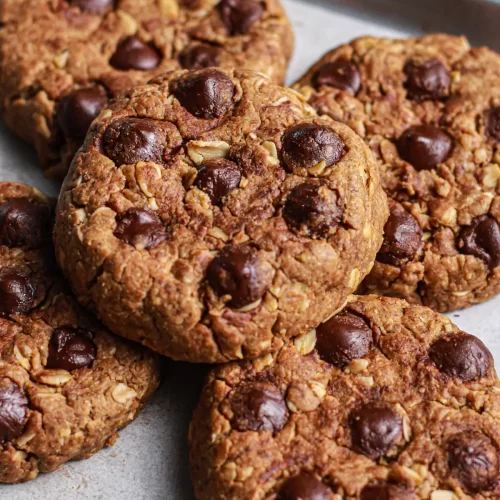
[53,87]
[429,108]
[213,218]
[56,361]
[388,425]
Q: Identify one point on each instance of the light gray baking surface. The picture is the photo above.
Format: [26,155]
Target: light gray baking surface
[149,461]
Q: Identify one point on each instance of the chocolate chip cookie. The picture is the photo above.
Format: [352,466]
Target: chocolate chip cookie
[212,215]
[62,60]
[66,384]
[430,110]
[386,400]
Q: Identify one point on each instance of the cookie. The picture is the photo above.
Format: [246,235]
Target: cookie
[66,384]
[61,61]
[430,110]
[386,400]
[211,215]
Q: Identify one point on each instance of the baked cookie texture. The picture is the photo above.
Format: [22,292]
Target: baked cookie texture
[211,215]
[61,61]
[429,108]
[386,400]
[66,384]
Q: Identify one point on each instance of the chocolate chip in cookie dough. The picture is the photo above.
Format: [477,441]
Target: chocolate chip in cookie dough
[17,293]
[341,74]
[375,428]
[482,239]
[93,6]
[70,349]
[140,227]
[305,145]
[218,178]
[312,210]
[425,146]
[133,53]
[474,460]
[303,486]
[462,356]
[258,406]
[402,236]
[237,271]
[13,409]
[493,123]
[239,16]
[24,223]
[199,56]
[77,110]
[429,80]
[383,490]
[205,94]
[343,338]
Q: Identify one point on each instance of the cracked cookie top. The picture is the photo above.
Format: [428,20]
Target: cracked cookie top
[62,60]
[211,215]
[66,384]
[429,108]
[386,400]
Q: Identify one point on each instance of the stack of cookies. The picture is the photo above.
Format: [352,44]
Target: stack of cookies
[214,216]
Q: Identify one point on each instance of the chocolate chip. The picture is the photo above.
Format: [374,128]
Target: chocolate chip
[130,140]
[493,123]
[13,409]
[24,223]
[140,227]
[199,56]
[462,356]
[425,146]
[429,80]
[70,349]
[482,239]
[303,486]
[343,338]
[382,490]
[402,236]
[473,459]
[77,110]
[133,53]
[307,144]
[312,210]
[218,178]
[239,16]
[238,271]
[375,428]
[258,406]
[341,74]
[207,93]
[93,6]
[17,294]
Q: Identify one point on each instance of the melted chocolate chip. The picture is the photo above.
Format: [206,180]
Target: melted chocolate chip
[382,490]
[482,239]
[133,53]
[17,294]
[205,94]
[462,356]
[375,428]
[425,146]
[258,406]
[307,144]
[303,486]
[312,210]
[70,349]
[140,227]
[238,272]
[218,178]
[474,460]
[13,409]
[239,16]
[343,338]
[341,74]
[199,56]
[93,6]
[429,80]
[493,123]
[402,236]
[77,110]
[24,223]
